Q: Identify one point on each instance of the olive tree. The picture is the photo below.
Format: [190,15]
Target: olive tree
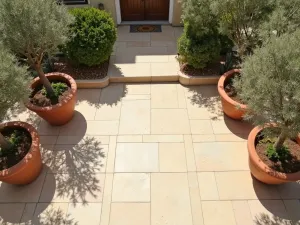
[34,28]
[269,85]
[240,20]
[14,81]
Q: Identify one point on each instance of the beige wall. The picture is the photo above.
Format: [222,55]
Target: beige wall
[109,5]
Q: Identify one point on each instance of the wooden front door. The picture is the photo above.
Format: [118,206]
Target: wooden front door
[134,10]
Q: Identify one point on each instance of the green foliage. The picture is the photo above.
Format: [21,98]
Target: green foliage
[285,18]
[282,154]
[58,88]
[269,85]
[226,44]
[14,82]
[92,37]
[240,19]
[200,42]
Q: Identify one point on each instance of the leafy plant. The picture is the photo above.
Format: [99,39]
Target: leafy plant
[200,42]
[58,88]
[91,37]
[34,28]
[269,85]
[14,81]
[281,154]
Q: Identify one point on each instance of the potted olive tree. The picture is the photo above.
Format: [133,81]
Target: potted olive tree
[20,158]
[269,85]
[34,29]
[240,21]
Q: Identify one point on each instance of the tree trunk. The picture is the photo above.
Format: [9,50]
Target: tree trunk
[4,144]
[45,81]
[280,141]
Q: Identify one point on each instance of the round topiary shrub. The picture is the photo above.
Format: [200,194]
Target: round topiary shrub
[92,37]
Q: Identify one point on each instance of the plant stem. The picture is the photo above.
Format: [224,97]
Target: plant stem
[45,81]
[280,141]
[4,144]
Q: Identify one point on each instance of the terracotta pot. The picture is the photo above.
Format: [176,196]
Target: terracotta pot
[62,112]
[29,168]
[260,170]
[231,108]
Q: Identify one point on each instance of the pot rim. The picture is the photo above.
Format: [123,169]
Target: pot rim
[35,142]
[67,98]
[222,92]
[262,166]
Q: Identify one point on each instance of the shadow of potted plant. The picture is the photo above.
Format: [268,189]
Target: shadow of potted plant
[33,29]
[20,158]
[270,88]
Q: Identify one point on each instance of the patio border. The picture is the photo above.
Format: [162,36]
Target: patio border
[180,77]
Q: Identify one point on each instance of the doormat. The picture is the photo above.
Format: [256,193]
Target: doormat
[144,28]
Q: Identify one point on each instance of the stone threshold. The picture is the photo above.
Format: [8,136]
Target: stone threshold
[180,77]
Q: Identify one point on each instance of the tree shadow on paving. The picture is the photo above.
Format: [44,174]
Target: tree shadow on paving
[110,95]
[241,129]
[75,169]
[265,219]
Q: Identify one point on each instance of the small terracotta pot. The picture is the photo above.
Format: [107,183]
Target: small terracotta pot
[62,112]
[231,108]
[29,168]
[260,170]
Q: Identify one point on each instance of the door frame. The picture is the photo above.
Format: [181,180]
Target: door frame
[118,11]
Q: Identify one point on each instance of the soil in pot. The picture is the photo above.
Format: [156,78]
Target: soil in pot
[82,72]
[40,98]
[20,140]
[230,89]
[286,161]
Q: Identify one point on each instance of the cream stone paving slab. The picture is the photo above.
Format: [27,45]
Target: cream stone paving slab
[265,211]
[240,185]
[77,128]
[164,96]
[163,43]
[11,213]
[221,156]
[131,187]
[138,44]
[135,117]
[108,112]
[201,127]
[106,204]
[48,140]
[85,214]
[46,129]
[110,164]
[203,138]
[136,97]
[293,209]
[164,69]
[218,212]
[130,214]
[208,186]
[69,140]
[28,213]
[170,200]
[137,157]
[289,190]
[181,96]
[165,35]
[129,70]
[189,152]
[87,103]
[178,32]
[229,126]
[48,213]
[169,121]
[172,157]
[130,138]
[138,89]
[129,37]
[73,187]
[229,138]
[242,213]
[195,198]
[163,138]
[20,194]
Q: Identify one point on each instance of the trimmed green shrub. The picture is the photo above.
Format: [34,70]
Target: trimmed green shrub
[92,37]
[200,42]
[269,85]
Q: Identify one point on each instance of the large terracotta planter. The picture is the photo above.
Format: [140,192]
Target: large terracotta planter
[29,168]
[60,113]
[231,108]
[260,170]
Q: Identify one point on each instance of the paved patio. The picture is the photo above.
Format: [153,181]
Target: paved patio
[145,56]
[147,154]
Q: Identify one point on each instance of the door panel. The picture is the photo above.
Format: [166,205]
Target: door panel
[132,10]
[157,9]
